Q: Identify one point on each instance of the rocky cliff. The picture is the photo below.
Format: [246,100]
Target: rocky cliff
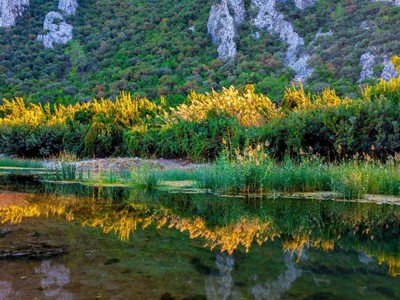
[227,15]
[68,7]
[58,31]
[10,10]
[303,4]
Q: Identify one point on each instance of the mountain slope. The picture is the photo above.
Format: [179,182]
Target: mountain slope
[164,47]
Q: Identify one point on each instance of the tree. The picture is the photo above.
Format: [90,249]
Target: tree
[77,55]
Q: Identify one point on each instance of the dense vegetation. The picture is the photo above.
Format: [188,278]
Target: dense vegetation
[149,50]
[204,126]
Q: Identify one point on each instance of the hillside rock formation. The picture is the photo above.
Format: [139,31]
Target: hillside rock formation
[222,23]
[59,31]
[303,4]
[10,10]
[226,16]
[68,7]
[388,71]
[367,61]
[395,2]
[270,19]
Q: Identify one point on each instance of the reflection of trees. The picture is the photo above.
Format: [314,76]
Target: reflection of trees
[372,229]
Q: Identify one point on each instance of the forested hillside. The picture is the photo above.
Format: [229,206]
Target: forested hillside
[163,48]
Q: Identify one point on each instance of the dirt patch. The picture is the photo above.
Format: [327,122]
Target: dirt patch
[121,164]
[11,198]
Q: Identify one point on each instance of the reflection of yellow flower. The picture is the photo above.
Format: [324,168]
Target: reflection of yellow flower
[229,237]
[124,221]
[392,262]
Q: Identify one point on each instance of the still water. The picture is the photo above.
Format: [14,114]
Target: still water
[75,242]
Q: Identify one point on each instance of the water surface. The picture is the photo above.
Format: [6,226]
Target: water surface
[75,242]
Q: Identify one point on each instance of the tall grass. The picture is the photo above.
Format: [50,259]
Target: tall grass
[253,173]
[19,163]
[147,178]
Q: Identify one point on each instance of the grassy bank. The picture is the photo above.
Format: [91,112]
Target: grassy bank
[352,179]
[252,171]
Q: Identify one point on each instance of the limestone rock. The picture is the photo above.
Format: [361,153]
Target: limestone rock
[59,31]
[388,71]
[10,10]
[367,62]
[395,2]
[68,7]
[270,19]
[303,4]
[222,23]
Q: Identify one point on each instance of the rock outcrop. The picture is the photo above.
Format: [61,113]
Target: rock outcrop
[224,18]
[68,7]
[303,4]
[367,61]
[227,15]
[10,10]
[395,2]
[59,31]
[388,71]
[270,19]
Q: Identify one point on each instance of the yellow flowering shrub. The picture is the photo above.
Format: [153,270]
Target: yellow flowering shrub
[295,98]
[249,108]
[390,89]
[396,62]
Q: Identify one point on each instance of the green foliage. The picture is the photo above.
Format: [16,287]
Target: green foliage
[195,140]
[31,142]
[149,49]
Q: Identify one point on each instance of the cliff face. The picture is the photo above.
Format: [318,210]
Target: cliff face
[303,4]
[270,19]
[68,7]
[227,15]
[58,31]
[10,10]
[222,24]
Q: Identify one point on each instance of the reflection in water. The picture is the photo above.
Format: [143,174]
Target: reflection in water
[54,277]
[273,290]
[219,286]
[229,224]
[365,258]
[6,290]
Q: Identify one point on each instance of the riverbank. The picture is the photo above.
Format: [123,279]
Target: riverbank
[250,174]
